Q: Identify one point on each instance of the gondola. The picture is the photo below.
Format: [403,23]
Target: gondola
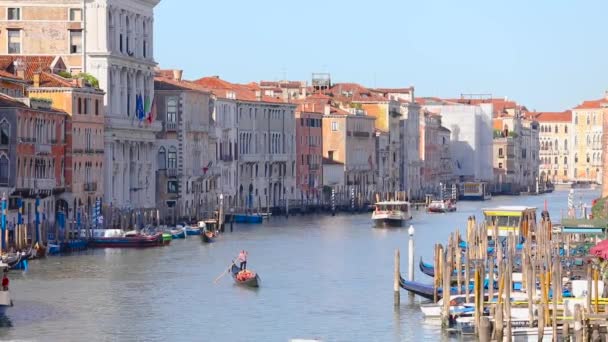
[207,236]
[252,281]
[427,269]
[428,291]
[12,260]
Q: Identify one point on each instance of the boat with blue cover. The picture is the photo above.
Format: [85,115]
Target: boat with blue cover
[248,218]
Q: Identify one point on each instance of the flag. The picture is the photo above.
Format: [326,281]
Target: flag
[151,114]
[139,105]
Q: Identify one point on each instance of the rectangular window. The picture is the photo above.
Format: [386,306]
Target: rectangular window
[97,107]
[14,13]
[75,41]
[14,41]
[330,155]
[172,110]
[172,186]
[75,14]
[334,126]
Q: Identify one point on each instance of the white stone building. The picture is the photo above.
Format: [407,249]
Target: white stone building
[119,52]
[471,136]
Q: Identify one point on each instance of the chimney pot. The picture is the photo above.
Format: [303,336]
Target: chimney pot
[177,74]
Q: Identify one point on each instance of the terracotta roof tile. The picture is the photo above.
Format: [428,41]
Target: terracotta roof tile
[565,116]
[592,104]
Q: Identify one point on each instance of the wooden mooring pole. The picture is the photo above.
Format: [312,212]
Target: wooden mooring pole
[396,279]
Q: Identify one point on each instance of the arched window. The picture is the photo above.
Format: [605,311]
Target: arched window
[4,170]
[588,158]
[566,144]
[556,130]
[576,158]
[556,145]
[576,119]
[565,128]
[565,160]
[172,158]
[162,158]
[588,140]
[4,132]
[555,160]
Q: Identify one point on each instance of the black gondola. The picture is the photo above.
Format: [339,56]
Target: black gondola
[253,281]
[427,269]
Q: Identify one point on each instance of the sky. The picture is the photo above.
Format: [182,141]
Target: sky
[548,55]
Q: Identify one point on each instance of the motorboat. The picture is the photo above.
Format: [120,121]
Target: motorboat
[391,213]
[441,206]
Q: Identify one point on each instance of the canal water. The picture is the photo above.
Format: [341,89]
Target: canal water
[323,277]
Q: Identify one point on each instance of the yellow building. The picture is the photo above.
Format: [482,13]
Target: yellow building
[587,124]
[555,139]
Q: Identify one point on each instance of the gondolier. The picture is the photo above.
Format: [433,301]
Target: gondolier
[242,259]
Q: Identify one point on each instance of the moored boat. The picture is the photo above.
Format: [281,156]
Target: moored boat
[391,213]
[207,236]
[179,233]
[248,218]
[441,206]
[191,230]
[246,277]
[166,238]
[128,241]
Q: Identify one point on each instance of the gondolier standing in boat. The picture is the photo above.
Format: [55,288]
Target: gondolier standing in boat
[243,259]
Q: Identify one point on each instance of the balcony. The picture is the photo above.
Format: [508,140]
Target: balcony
[53,141]
[43,148]
[171,172]
[98,151]
[88,151]
[77,151]
[170,126]
[90,187]
[28,140]
[37,183]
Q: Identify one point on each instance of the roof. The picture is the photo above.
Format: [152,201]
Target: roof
[592,104]
[250,92]
[393,90]
[444,129]
[169,83]
[565,116]
[353,92]
[32,64]
[327,161]
[9,102]
[509,208]
[282,84]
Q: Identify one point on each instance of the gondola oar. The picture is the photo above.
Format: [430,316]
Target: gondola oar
[223,273]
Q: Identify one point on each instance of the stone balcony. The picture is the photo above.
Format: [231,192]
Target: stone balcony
[43,149]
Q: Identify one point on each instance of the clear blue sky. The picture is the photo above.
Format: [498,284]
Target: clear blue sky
[546,54]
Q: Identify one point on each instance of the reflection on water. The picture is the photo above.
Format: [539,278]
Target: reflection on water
[322,277]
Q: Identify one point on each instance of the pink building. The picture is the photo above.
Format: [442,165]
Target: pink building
[309,151]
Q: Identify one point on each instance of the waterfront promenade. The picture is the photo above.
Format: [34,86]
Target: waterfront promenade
[323,277]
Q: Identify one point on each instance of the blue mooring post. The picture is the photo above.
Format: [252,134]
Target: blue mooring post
[37,218]
[20,216]
[4,243]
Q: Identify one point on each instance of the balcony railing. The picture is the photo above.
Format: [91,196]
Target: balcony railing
[89,151]
[28,140]
[37,183]
[90,187]
[43,148]
[77,151]
[99,151]
[171,172]
[170,126]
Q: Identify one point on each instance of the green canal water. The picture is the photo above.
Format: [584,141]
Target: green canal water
[323,277]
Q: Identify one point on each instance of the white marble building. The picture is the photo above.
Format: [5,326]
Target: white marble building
[119,52]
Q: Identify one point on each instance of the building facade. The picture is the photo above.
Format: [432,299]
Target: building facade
[309,153]
[349,139]
[471,136]
[555,137]
[587,126]
[84,132]
[117,49]
[187,174]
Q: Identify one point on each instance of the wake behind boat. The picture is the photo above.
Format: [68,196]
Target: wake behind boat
[391,213]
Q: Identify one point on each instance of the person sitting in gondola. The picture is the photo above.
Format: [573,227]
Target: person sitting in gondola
[243,259]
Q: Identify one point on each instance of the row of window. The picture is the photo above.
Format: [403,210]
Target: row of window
[308,122]
[14,13]
[311,159]
[591,118]
[547,128]
[84,106]
[14,41]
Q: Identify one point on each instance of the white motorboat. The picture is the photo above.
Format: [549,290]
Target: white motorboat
[441,206]
[391,213]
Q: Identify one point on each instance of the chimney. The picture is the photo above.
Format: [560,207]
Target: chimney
[177,74]
[19,66]
[36,80]
[258,95]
